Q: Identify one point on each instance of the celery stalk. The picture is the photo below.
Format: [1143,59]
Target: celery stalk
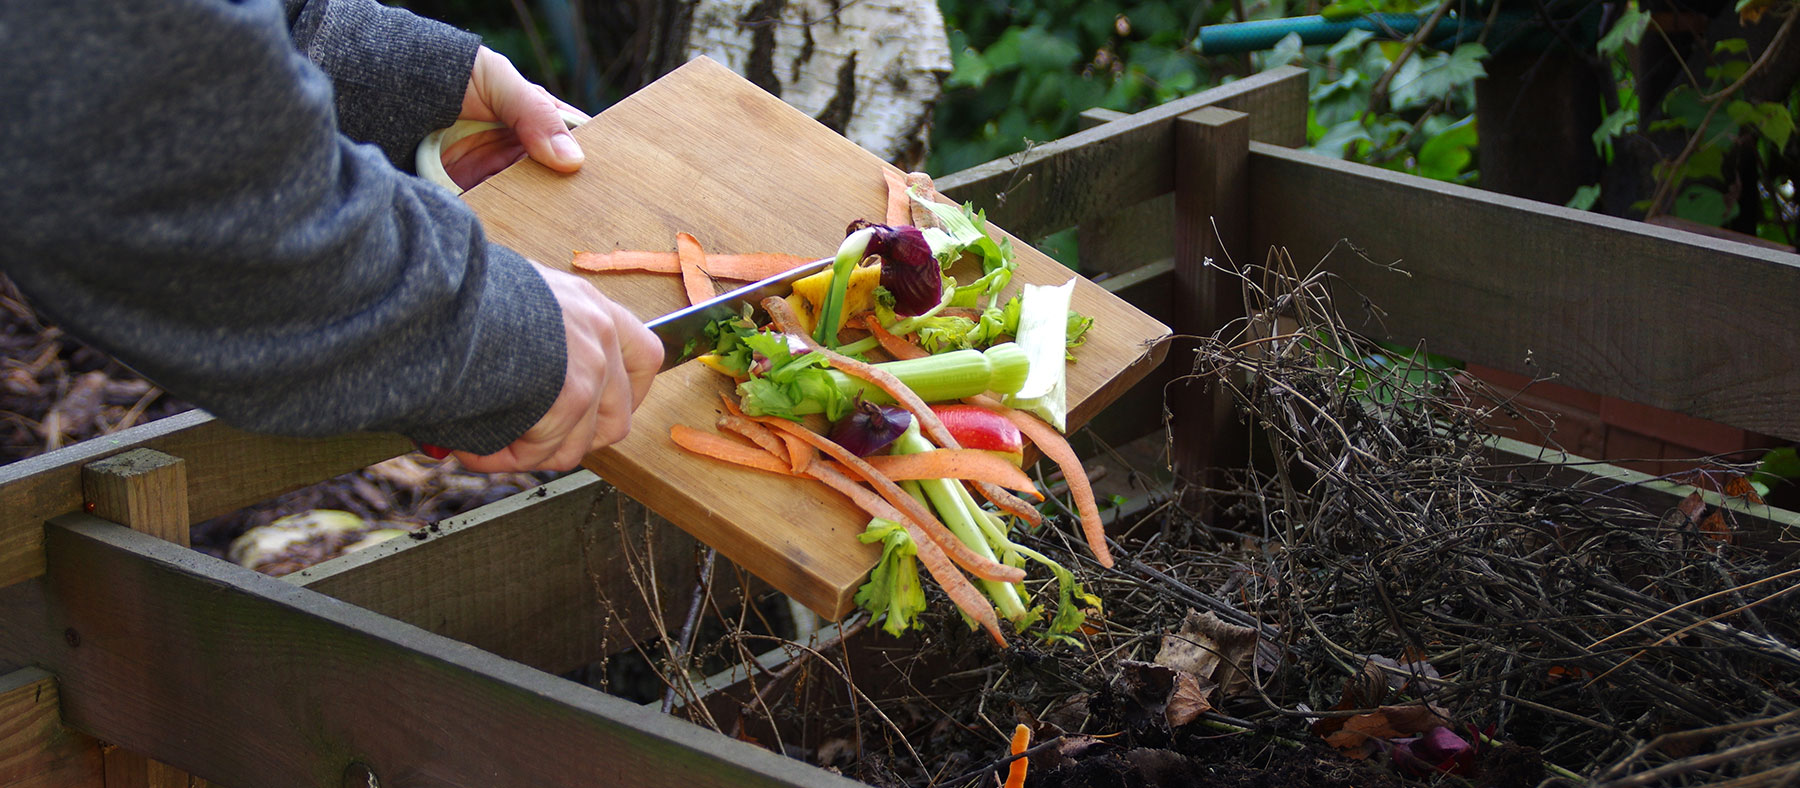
[946,376]
[944,497]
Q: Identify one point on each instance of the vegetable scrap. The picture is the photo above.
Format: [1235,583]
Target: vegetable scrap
[689,254]
[1015,771]
[897,441]
[742,267]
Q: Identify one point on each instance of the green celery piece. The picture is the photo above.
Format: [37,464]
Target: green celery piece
[800,387]
[1070,597]
[950,509]
[831,318]
[893,592]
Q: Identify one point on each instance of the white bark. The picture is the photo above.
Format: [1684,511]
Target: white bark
[802,51]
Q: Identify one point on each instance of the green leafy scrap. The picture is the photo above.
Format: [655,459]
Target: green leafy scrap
[893,593]
[789,381]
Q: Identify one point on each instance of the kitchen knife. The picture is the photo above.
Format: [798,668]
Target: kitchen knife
[683,332]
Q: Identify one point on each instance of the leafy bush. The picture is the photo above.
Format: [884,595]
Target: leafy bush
[1024,72]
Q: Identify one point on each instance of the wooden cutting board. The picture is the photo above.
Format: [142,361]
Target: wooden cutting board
[704,151]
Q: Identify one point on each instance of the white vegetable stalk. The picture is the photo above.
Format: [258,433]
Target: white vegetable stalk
[1043,334]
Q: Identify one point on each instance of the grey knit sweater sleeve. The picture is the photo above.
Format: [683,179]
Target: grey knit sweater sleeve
[177,190]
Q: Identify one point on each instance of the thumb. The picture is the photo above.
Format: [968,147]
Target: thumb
[538,121]
[531,113]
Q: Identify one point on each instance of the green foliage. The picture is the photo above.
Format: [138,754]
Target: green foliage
[1427,127]
[1023,72]
[1705,111]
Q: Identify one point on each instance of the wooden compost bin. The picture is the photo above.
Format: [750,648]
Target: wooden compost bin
[433,662]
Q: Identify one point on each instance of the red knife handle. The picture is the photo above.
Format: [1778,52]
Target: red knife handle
[434,451]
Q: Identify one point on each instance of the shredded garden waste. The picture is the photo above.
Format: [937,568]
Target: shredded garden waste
[1377,598]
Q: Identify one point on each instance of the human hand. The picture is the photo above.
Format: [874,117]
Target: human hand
[612,358]
[534,124]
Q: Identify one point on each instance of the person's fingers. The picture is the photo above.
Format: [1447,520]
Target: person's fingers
[498,462]
[613,409]
[534,114]
[642,353]
[568,452]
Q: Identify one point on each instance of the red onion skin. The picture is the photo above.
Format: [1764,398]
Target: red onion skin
[908,270]
[869,427]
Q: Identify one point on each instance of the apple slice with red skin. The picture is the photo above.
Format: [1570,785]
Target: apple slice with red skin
[976,427]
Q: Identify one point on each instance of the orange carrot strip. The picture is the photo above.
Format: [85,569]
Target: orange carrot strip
[1057,448]
[965,464]
[984,568]
[724,449]
[757,433]
[628,260]
[929,423]
[899,210]
[748,267]
[1015,772]
[688,251]
[800,453]
[958,588]
[752,266]
[895,346]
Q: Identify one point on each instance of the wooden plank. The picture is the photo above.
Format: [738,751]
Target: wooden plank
[251,681]
[1625,309]
[544,577]
[1098,171]
[1760,525]
[36,751]
[1211,232]
[227,470]
[144,490]
[1130,236]
[707,152]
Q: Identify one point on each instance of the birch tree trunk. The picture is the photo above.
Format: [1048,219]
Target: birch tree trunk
[871,70]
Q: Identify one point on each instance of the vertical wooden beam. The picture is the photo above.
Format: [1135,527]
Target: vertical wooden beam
[36,751]
[1212,230]
[144,490]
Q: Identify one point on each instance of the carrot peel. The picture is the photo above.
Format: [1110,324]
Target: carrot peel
[1015,772]
[1048,440]
[689,254]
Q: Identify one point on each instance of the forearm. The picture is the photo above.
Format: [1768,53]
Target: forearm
[186,203]
[396,76]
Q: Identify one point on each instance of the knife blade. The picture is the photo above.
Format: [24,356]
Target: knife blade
[683,332]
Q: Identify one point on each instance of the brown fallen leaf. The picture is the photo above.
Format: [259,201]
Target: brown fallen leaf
[1739,487]
[1213,649]
[1187,701]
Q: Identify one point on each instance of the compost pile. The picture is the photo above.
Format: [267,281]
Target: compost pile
[1374,600]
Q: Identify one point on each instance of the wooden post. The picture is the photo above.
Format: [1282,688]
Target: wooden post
[1212,195]
[36,751]
[144,490]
